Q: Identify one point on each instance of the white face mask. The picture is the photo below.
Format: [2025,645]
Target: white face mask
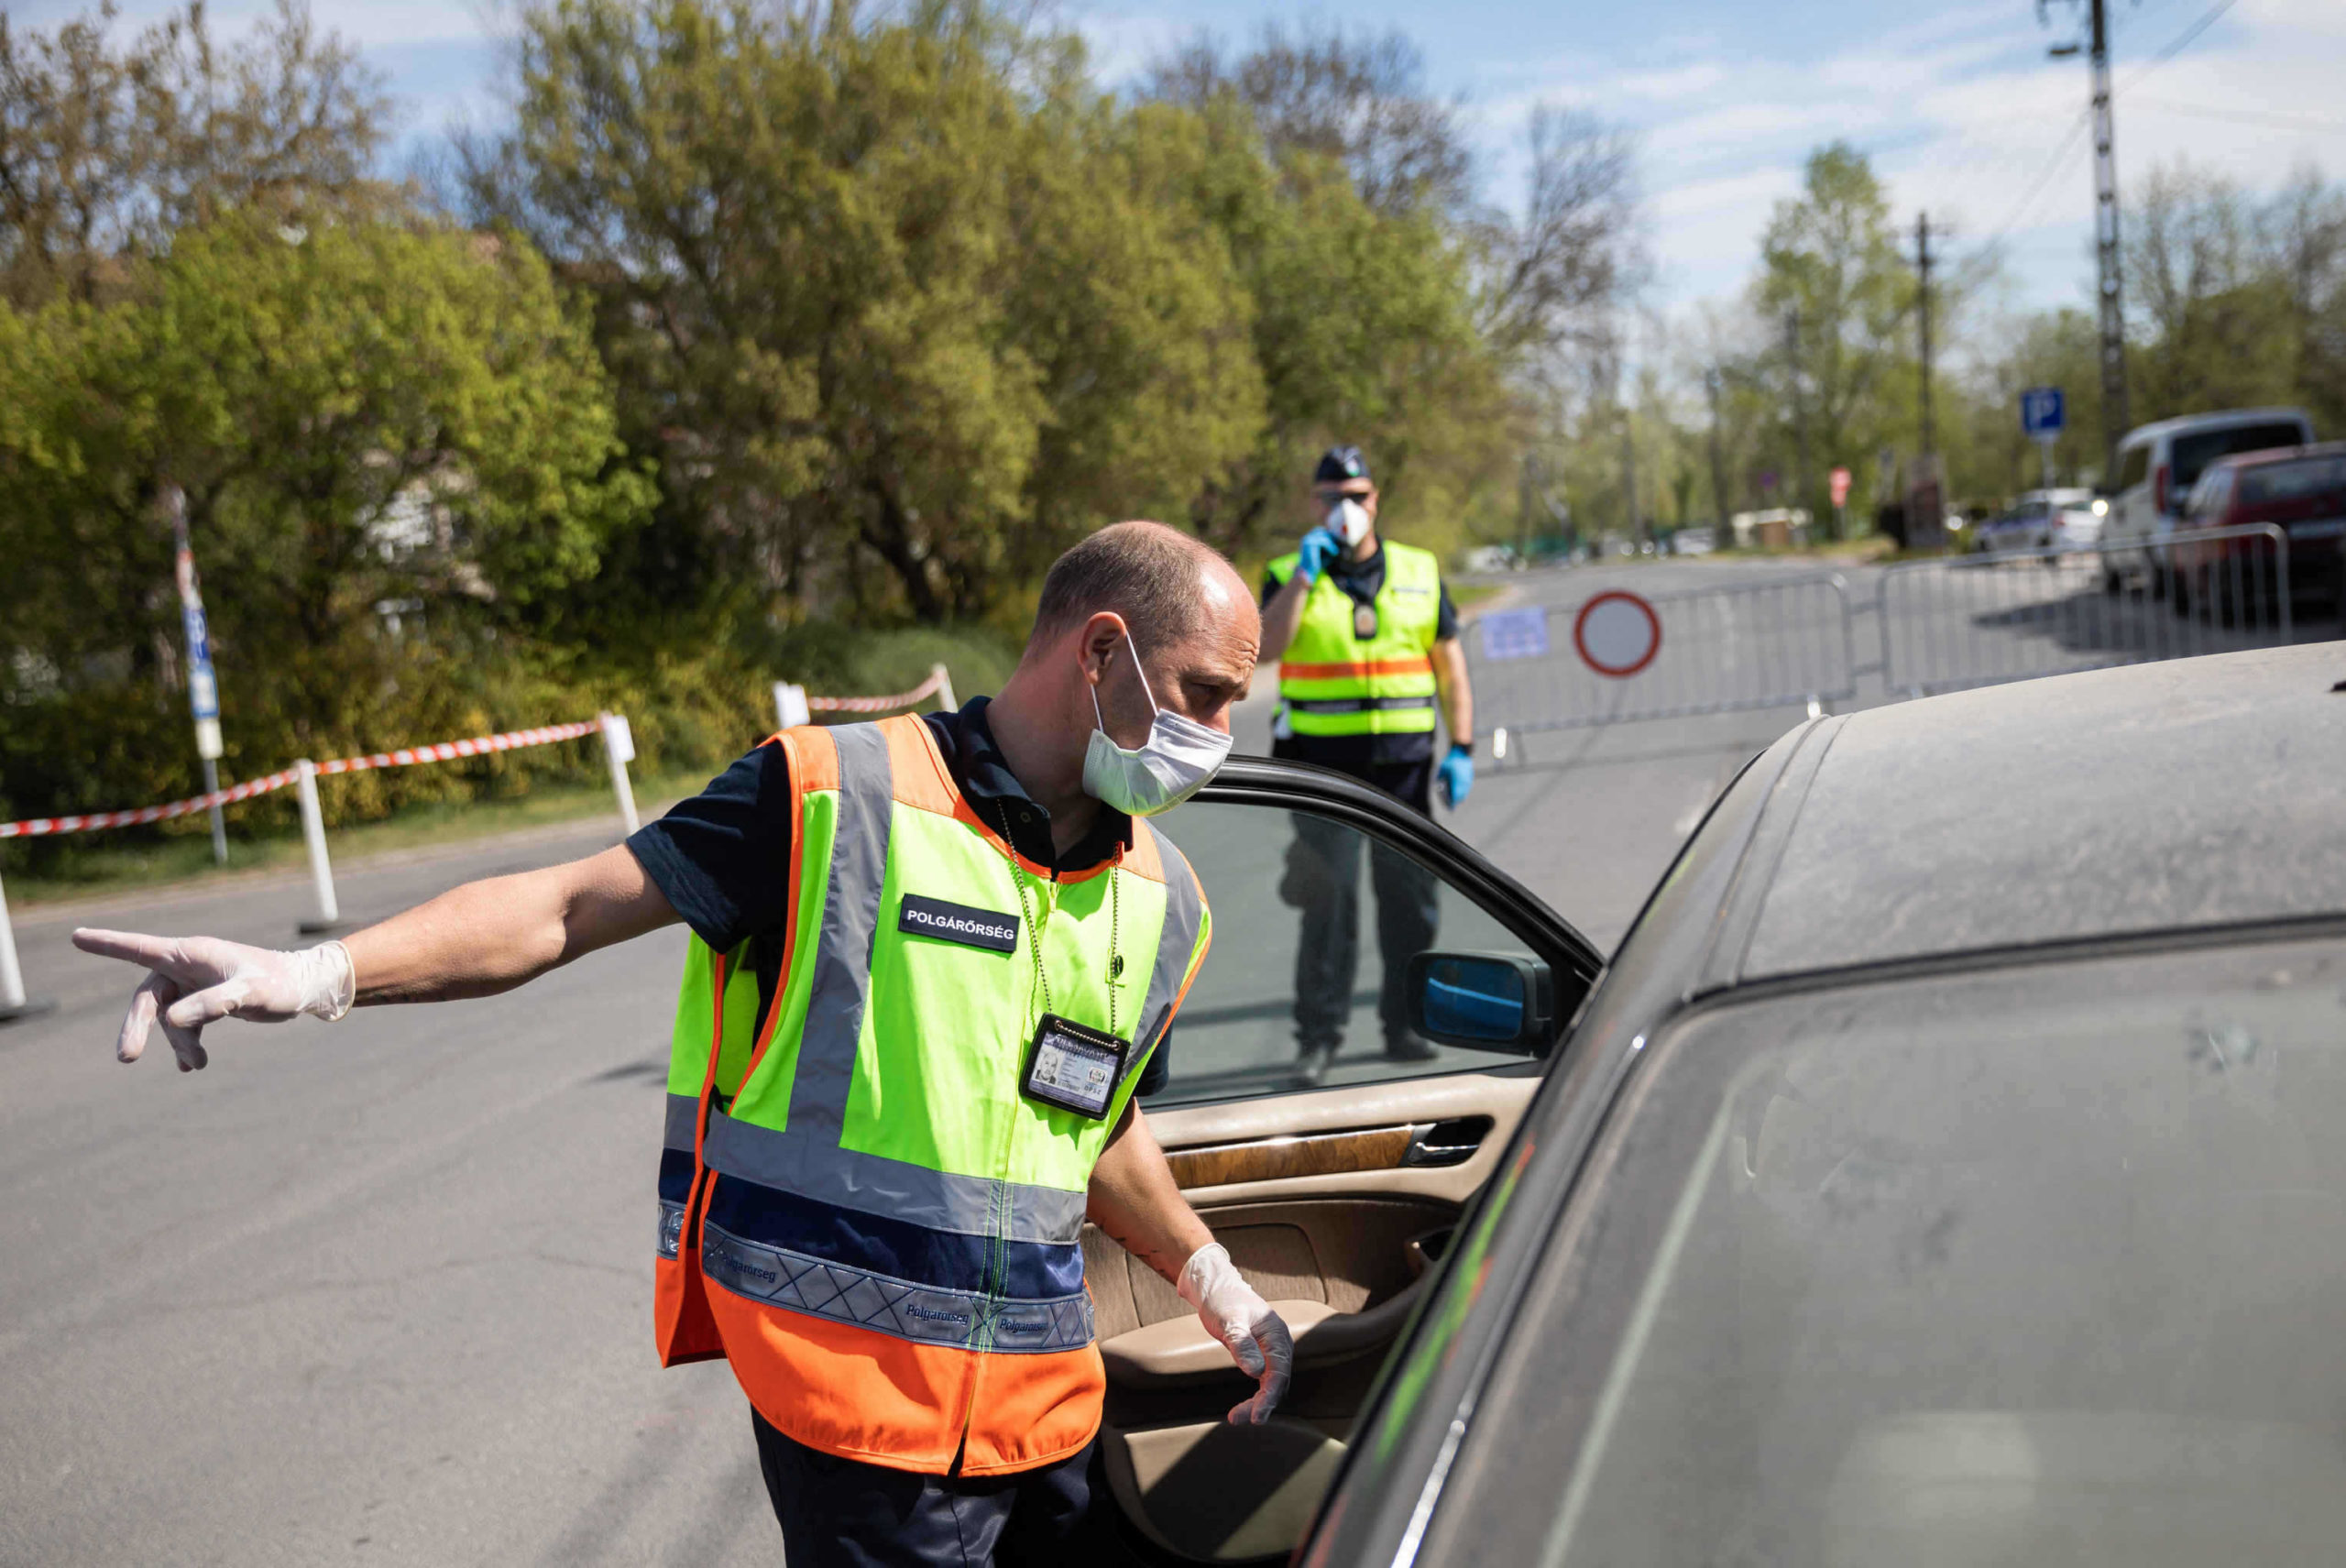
[1348,521]
[1171,766]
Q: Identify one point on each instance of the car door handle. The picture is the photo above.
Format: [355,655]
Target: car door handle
[1446,1142]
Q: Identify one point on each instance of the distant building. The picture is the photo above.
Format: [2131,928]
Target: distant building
[1776,528]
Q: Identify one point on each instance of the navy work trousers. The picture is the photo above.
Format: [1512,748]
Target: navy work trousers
[1323,880]
[842,1513]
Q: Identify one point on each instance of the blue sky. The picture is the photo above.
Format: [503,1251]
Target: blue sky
[1954,100]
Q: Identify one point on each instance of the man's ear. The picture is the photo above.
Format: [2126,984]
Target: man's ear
[1104,635]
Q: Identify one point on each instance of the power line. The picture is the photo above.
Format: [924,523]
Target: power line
[2246,116]
[2182,43]
[2044,179]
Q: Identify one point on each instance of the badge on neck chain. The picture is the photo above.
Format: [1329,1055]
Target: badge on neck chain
[1363,621]
[1071,1066]
[1074,1066]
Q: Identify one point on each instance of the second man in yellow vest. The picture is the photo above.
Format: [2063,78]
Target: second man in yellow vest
[1367,641]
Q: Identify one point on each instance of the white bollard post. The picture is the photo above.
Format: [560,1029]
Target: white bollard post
[946,702]
[313,833]
[790,709]
[13,1001]
[618,747]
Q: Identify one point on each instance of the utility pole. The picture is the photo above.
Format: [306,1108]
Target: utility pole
[1800,406]
[1526,499]
[1923,303]
[2111,292]
[1719,468]
[2105,237]
[1629,471]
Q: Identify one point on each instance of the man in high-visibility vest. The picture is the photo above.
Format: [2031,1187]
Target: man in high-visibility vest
[932,961]
[1367,641]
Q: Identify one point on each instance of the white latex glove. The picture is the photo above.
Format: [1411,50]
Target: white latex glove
[1255,1336]
[197,980]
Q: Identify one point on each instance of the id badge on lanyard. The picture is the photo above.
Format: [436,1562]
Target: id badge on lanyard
[1071,1066]
[1074,1066]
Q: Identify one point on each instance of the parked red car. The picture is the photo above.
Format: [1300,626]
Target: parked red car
[2301,489]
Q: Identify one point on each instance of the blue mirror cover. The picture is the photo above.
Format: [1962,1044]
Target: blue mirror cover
[1474,998]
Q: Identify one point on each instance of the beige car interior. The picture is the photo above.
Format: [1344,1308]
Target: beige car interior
[1332,1203]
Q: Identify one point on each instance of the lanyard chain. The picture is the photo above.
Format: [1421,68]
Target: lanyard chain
[1034,927]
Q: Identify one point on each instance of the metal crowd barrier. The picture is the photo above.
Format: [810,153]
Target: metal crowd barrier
[1723,650]
[1984,620]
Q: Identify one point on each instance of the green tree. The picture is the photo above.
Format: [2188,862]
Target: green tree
[108,145]
[375,425]
[2303,233]
[1836,284]
[894,291]
[1395,308]
[2216,325]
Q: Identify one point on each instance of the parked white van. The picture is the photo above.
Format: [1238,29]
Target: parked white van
[2157,465]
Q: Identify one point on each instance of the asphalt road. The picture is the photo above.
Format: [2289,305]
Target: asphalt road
[381,1293]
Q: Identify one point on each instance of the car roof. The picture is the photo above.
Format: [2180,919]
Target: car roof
[2281,454]
[2188,793]
[2221,419]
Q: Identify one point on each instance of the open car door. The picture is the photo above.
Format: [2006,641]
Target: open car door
[1333,1181]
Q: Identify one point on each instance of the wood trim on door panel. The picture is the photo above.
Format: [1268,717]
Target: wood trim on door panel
[1268,1159]
[1500,1094]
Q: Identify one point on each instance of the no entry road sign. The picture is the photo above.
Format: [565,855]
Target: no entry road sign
[1618,633]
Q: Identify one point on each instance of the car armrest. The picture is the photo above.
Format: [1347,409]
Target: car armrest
[1179,1352]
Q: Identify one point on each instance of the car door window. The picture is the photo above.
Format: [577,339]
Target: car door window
[1313,926]
[2133,468]
[2208,497]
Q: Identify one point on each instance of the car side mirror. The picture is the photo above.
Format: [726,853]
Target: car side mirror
[1484,1002]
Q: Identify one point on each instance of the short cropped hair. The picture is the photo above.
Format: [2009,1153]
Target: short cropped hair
[1151,574]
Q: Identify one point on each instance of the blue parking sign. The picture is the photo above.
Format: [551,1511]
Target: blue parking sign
[1516,634]
[2041,412]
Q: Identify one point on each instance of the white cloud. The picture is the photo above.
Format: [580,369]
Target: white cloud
[1731,131]
[1682,81]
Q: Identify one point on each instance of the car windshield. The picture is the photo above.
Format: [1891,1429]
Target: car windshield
[2194,452]
[2037,1267]
[2272,482]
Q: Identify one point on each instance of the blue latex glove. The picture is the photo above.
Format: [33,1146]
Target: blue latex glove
[1312,556]
[1457,776]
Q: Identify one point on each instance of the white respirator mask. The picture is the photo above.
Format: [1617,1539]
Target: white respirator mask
[1171,766]
[1348,521]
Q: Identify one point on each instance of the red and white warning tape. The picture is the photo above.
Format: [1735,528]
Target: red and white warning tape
[39,826]
[446,750]
[920,693]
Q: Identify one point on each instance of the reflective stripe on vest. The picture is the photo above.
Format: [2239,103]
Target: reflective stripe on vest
[1334,682]
[886,1227]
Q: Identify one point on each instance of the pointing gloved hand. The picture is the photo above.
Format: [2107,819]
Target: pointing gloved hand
[1319,548]
[197,980]
[1255,1336]
[1457,774]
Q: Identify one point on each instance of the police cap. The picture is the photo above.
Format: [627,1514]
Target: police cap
[1341,466]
